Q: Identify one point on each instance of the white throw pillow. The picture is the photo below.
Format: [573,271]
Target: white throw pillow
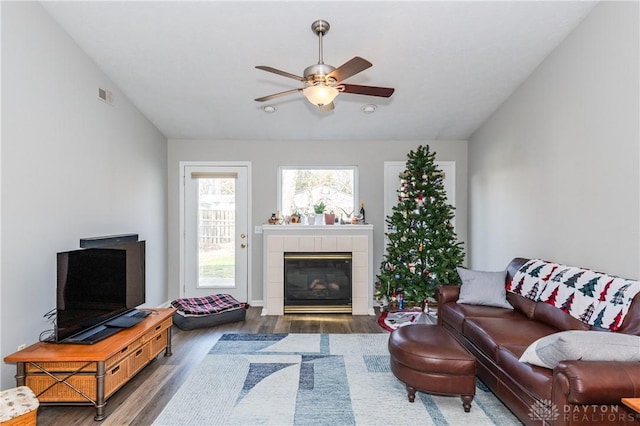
[483,288]
[585,345]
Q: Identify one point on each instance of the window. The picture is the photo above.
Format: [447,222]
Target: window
[300,188]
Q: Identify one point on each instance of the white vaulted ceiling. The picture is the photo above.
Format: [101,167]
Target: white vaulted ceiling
[190,66]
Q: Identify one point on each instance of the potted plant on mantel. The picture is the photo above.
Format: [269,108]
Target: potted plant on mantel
[319,210]
[329,218]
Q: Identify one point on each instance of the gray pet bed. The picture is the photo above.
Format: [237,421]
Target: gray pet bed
[204,321]
[209,311]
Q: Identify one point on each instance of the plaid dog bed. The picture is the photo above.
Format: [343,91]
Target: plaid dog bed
[208,305]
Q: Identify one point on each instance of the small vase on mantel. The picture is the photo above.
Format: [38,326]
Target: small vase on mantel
[329,218]
[319,219]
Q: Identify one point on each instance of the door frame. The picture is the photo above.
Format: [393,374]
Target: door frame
[181,230]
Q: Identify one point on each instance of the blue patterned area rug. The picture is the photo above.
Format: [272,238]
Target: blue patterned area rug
[313,379]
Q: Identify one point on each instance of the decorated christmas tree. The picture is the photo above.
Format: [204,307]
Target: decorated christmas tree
[423,250]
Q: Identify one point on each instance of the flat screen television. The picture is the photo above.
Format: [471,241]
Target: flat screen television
[95,286]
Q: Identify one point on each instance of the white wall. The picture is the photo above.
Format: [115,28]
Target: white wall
[266,156]
[555,172]
[72,167]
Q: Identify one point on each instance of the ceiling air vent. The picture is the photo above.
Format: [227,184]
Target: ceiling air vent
[105,96]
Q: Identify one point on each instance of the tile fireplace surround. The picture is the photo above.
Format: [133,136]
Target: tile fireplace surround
[354,239]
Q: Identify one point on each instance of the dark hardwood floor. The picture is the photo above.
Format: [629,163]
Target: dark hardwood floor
[141,400]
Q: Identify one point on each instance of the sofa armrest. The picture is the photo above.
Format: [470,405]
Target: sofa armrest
[595,382]
[447,293]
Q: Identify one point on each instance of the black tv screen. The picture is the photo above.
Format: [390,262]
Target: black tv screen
[95,285]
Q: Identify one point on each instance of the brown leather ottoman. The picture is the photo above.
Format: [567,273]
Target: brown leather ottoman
[427,358]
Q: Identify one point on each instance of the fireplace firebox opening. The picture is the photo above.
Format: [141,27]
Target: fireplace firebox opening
[317,282]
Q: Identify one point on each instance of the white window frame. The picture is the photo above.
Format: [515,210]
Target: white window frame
[356,182]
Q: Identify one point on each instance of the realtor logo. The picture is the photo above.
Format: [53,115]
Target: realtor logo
[543,410]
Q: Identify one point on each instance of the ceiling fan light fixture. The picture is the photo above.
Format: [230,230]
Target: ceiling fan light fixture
[320,94]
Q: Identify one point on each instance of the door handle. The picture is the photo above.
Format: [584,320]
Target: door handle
[243,236]
[243,245]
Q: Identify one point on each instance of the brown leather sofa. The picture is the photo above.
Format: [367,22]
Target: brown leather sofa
[582,392]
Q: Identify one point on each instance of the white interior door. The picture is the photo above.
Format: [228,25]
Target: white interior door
[216,237]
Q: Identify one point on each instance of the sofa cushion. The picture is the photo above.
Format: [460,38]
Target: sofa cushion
[531,278]
[454,314]
[557,318]
[490,333]
[582,345]
[537,381]
[521,304]
[483,288]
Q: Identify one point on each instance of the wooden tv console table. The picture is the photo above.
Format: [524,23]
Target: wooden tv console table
[72,374]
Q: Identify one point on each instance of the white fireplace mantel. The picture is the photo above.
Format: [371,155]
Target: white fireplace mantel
[280,239]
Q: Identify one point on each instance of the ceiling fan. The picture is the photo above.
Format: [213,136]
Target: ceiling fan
[324,82]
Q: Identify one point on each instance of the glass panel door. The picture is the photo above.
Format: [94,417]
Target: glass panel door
[216,225]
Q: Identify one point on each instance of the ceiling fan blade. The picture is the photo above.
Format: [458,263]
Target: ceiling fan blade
[277,95]
[356,89]
[327,107]
[350,68]
[282,73]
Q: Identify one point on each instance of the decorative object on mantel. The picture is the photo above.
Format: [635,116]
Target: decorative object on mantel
[423,249]
[329,218]
[319,211]
[275,219]
[295,218]
[347,218]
